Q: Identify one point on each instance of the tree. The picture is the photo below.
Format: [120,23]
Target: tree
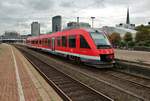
[142,27]
[128,39]
[142,35]
[115,38]
[143,38]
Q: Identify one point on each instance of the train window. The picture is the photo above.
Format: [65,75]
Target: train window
[100,40]
[64,41]
[49,42]
[83,42]
[40,42]
[58,41]
[72,41]
[36,41]
[32,42]
[45,42]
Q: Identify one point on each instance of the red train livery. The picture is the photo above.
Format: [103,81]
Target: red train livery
[85,45]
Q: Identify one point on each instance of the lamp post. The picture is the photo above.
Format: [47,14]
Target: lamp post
[77,21]
[92,21]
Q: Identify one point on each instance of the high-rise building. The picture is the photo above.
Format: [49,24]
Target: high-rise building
[56,23]
[35,29]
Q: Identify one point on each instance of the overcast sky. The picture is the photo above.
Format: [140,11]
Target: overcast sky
[17,15]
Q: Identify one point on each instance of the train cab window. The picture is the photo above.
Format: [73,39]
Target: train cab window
[58,41]
[100,40]
[83,42]
[72,41]
[64,41]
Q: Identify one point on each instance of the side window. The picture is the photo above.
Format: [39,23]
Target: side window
[64,41]
[45,42]
[83,42]
[58,41]
[72,41]
[32,42]
[40,42]
[49,42]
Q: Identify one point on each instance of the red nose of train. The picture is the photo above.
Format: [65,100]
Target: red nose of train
[106,55]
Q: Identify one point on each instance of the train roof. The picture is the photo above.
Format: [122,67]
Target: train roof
[65,30]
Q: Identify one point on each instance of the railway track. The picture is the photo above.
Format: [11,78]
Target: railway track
[139,89]
[117,85]
[131,78]
[68,88]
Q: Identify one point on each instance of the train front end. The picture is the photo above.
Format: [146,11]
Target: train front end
[103,49]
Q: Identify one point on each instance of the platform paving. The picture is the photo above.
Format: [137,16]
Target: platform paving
[133,56]
[19,80]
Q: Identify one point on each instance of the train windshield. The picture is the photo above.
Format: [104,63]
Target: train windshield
[100,40]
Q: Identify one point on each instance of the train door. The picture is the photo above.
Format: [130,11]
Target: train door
[53,44]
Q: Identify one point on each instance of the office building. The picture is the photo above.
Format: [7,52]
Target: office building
[56,23]
[35,29]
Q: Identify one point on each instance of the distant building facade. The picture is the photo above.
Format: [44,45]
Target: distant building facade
[129,26]
[56,23]
[35,29]
[76,25]
[11,35]
[121,30]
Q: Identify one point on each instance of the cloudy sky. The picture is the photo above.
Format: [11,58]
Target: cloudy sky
[17,15]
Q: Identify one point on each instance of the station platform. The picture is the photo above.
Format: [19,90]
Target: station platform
[133,56]
[19,80]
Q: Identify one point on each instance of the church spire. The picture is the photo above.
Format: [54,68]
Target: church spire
[128,17]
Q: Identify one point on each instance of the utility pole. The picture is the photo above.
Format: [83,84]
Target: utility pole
[92,21]
[78,22]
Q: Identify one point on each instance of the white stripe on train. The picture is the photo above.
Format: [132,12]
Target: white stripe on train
[68,53]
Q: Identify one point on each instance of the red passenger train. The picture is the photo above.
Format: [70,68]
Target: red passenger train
[85,45]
